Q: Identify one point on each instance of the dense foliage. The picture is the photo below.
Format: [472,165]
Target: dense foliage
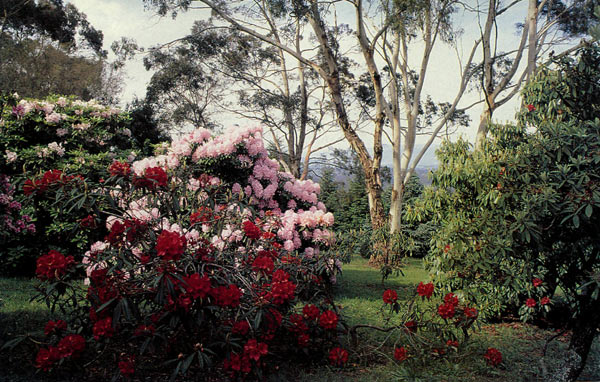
[65,135]
[519,217]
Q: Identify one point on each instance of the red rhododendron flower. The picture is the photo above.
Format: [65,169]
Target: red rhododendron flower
[400,354]
[411,326]
[493,357]
[52,326]
[227,296]
[29,187]
[338,356]
[237,363]
[127,365]
[451,343]
[282,291]
[196,286]
[154,177]
[545,301]
[537,282]
[470,312]
[240,327]
[119,169]
[425,290]
[46,357]
[170,245]
[311,312]
[88,222]
[530,107]
[103,328]
[203,215]
[53,265]
[328,320]
[251,230]
[303,340]
[254,349]
[117,229]
[451,299]
[298,324]
[447,248]
[71,345]
[263,264]
[530,302]
[390,296]
[446,310]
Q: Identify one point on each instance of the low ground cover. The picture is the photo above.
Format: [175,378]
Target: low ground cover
[358,293]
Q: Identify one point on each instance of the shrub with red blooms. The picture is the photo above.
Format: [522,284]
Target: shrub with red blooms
[127,366]
[119,169]
[390,296]
[425,290]
[251,230]
[218,271]
[531,303]
[53,265]
[400,354]
[493,357]
[52,327]
[434,329]
[338,356]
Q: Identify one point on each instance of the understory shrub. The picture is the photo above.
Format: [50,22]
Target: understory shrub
[213,262]
[65,135]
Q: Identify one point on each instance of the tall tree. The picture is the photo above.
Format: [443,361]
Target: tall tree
[546,24]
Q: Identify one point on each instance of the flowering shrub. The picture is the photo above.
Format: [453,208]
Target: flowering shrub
[40,142]
[207,253]
[428,331]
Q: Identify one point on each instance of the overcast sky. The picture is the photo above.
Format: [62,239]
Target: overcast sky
[117,18]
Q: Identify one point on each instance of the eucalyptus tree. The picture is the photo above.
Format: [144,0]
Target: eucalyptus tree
[216,69]
[545,25]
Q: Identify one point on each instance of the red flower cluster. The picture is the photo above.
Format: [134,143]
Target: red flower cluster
[251,230]
[447,309]
[50,178]
[203,215]
[127,366]
[425,290]
[310,312]
[254,349]
[129,228]
[119,169]
[530,107]
[70,346]
[154,177]
[411,326]
[237,363]
[530,302]
[493,357]
[196,286]
[170,245]
[390,296]
[227,296]
[88,222]
[400,354]
[545,301]
[328,320]
[338,356]
[240,327]
[52,327]
[53,265]
[453,344]
[103,328]
[264,264]
[282,289]
[537,282]
[470,312]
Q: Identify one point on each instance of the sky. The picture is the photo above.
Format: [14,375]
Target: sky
[117,18]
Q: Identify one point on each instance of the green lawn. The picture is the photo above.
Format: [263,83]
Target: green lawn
[358,294]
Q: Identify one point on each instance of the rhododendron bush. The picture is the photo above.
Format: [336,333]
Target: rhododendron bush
[213,260]
[39,141]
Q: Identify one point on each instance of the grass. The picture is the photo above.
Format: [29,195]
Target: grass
[358,294]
